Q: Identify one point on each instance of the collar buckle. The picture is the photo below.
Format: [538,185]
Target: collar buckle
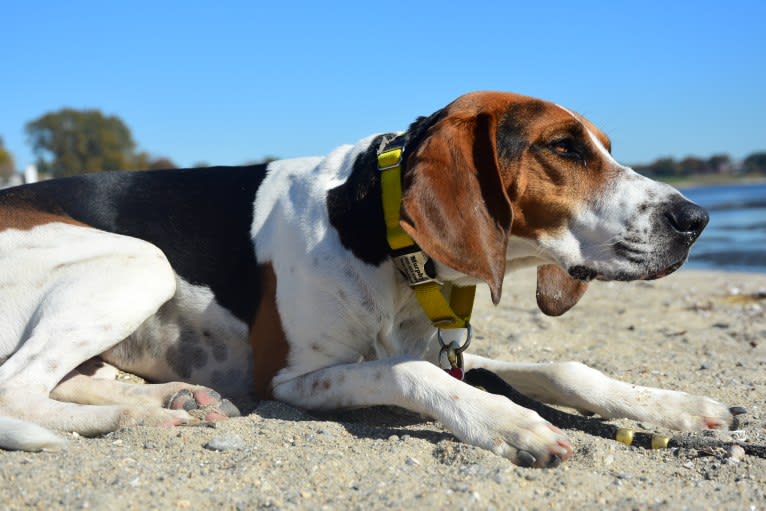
[390,158]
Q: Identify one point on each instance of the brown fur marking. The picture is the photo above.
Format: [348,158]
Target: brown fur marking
[267,337]
[25,218]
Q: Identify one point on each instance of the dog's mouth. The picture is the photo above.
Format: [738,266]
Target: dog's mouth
[586,274]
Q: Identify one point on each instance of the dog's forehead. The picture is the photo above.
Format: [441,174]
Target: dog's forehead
[552,116]
[590,127]
[524,120]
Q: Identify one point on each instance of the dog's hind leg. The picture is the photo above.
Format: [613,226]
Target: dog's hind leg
[94,383]
[87,292]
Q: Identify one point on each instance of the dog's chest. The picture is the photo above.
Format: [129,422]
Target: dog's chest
[334,306]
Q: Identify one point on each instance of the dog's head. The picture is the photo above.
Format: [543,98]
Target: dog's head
[497,181]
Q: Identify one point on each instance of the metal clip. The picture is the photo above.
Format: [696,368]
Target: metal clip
[390,158]
[454,351]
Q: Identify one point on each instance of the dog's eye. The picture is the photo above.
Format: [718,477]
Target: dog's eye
[566,147]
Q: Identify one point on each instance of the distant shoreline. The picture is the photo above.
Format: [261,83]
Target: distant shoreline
[712,180]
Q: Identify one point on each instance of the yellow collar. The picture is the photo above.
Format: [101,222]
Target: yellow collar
[412,262]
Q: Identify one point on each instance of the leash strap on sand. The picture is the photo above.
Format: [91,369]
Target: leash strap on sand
[491,382]
[412,262]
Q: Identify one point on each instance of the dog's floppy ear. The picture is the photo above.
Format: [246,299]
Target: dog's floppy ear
[557,292]
[454,205]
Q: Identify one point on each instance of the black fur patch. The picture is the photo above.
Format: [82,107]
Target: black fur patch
[512,135]
[200,219]
[355,208]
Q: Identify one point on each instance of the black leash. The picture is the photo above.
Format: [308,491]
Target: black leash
[491,382]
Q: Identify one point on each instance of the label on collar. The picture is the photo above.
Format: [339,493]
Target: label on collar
[413,265]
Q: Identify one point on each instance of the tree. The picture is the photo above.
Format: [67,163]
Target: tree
[755,163]
[69,142]
[661,167]
[145,161]
[266,159]
[720,164]
[692,165]
[7,167]
[162,162]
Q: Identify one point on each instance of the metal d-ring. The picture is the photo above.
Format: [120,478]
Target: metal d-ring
[453,350]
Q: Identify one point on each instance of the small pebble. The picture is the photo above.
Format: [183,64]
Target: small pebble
[225,443]
[735,452]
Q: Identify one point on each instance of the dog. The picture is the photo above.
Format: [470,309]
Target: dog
[291,278]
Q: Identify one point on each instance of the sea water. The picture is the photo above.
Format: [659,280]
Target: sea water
[735,238]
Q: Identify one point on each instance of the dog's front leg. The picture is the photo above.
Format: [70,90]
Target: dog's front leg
[589,390]
[476,417]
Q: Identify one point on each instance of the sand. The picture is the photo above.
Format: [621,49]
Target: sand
[701,332]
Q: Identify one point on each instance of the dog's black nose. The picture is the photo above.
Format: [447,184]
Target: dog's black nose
[687,218]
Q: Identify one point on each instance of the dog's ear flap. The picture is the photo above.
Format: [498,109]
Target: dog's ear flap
[557,292]
[455,205]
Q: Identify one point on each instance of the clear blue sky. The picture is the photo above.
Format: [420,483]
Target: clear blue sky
[229,82]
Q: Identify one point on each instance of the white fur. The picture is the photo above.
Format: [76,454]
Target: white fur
[27,436]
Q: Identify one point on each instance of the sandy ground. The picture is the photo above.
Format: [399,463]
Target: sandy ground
[700,332]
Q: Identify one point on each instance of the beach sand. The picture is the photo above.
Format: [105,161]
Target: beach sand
[701,332]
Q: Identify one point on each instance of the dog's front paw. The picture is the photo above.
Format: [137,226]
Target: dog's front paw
[539,445]
[688,412]
[517,433]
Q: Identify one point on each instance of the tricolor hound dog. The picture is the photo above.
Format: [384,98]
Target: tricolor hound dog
[279,277]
